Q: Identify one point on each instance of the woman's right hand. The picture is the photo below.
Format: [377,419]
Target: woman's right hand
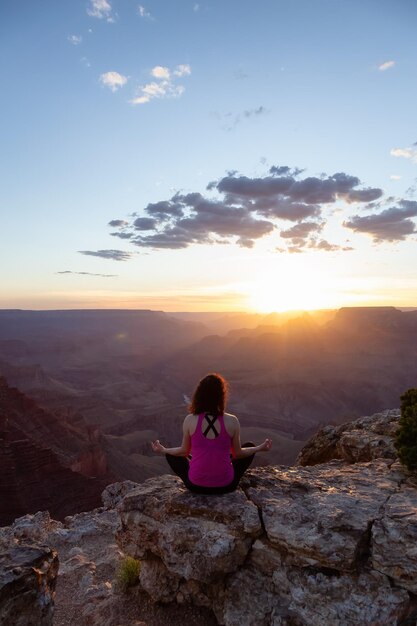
[158,447]
[265,446]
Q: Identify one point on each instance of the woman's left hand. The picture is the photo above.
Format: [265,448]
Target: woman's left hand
[158,447]
[266,445]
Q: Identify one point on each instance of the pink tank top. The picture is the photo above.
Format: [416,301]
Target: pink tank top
[210,465]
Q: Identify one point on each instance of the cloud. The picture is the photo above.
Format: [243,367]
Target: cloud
[118,223]
[160,72]
[196,7]
[75,39]
[182,70]
[144,13]
[393,224]
[193,219]
[407,153]
[395,177]
[100,8]
[88,274]
[145,223]
[303,236]
[122,235]
[113,80]
[241,210]
[302,230]
[164,86]
[324,245]
[115,255]
[164,89]
[230,120]
[285,197]
[386,66]
[258,111]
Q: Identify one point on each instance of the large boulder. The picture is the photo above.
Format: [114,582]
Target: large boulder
[294,546]
[195,538]
[364,439]
[28,575]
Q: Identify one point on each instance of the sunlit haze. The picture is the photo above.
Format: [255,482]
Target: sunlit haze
[210,156]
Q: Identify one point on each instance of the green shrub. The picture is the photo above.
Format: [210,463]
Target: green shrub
[406,436]
[128,573]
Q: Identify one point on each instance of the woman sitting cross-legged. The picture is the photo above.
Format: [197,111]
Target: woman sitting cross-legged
[211,459]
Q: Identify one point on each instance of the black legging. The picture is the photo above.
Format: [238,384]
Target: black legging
[180,466]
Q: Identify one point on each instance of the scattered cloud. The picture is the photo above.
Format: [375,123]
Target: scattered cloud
[88,274]
[122,235]
[386,66]
[113,80]
[164,86]
[75,39]
[395,177]
[322,244]
[182,70]
[303,236]
[393,224]
[118,223]
[196,7]
[144,13]
[160,72]
[101,9]
[85,62]
[302,230]
[231,120]
[254,112]
[115,255]
[407,153]
[240,209]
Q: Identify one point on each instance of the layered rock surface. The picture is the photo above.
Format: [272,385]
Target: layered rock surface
[27,584]
[364,439]
[328,544]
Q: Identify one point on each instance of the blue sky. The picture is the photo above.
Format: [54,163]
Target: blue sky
[111,107]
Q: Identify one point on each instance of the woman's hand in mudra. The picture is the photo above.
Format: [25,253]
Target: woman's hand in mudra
[158,447]
[266,445]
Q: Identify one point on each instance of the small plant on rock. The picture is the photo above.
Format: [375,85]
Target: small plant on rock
[406,436]
[127,573]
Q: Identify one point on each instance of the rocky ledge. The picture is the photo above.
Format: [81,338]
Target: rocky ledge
[27,584]
[332,544]
[364,439]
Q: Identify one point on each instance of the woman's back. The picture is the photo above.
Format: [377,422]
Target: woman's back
[211,445]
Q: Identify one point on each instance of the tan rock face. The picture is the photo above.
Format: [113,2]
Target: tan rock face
[362,440]
[394,539]
[182,530]
[27,585]
[321,515]
[284,594]
[294,547]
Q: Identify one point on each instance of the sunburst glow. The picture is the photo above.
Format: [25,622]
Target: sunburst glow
[293,287]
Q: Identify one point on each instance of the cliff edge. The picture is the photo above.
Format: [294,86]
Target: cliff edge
[326,544]
[321,543]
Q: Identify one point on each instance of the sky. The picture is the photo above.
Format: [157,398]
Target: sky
[208,156]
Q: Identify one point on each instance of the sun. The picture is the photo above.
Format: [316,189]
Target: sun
[292,287]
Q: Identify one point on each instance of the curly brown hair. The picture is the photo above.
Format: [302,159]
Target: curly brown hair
[210,396]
